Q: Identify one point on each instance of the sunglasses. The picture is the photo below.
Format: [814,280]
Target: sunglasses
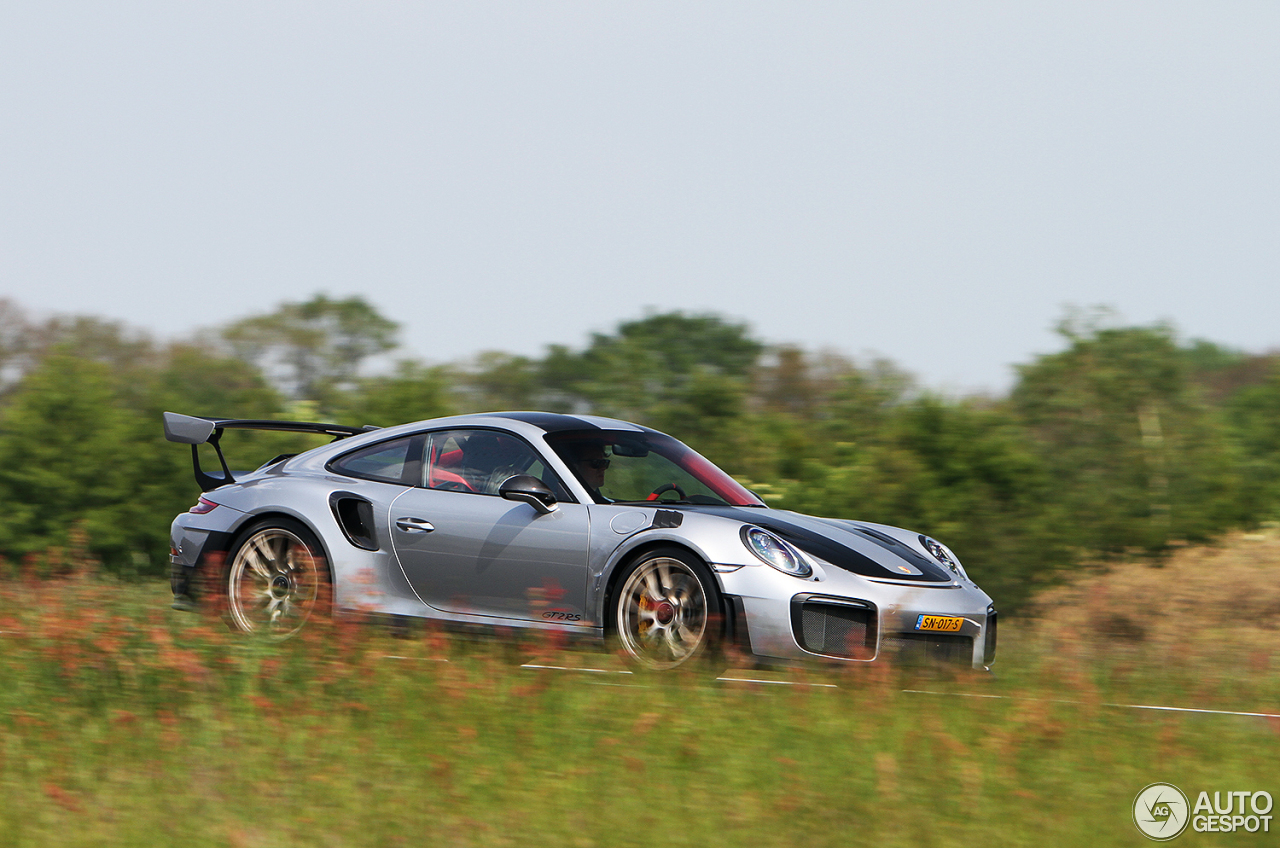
[597,464]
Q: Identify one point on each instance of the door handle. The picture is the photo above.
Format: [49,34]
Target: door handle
[414,525]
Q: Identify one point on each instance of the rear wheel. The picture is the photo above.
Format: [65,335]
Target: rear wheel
[275,578]
[666,611]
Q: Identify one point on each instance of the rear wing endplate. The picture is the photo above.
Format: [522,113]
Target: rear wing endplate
[195,431]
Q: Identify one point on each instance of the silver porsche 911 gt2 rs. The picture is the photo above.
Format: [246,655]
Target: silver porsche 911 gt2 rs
[567,522]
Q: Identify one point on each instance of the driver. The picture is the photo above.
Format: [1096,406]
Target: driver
[589,462]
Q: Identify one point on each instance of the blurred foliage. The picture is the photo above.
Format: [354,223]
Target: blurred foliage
[1253,415]
[1128,440]
[315,347]
[1139,458]
[122,725]
[61,432]
[413,392]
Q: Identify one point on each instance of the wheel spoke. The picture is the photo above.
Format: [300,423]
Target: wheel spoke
[664,575]
[273,583]
[262,546]
[253,558]
[676,648]
[651,583]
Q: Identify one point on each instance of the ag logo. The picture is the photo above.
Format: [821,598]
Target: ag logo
[1161,811]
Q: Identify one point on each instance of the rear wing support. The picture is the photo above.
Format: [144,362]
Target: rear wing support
[195,431]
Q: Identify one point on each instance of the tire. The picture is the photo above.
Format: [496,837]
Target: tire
[666,612]
[276,578]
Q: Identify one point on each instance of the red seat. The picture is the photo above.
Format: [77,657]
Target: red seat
[442,478]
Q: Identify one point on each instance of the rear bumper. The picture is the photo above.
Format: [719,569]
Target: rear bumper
[194,553]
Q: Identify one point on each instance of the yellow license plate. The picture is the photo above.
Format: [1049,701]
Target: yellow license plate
[944,623]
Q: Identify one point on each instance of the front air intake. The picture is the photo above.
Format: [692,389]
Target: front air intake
[835,630]
[928,648]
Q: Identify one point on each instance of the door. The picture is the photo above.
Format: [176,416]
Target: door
[464,549]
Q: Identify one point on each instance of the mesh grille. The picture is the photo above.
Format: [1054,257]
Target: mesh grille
[918,648]
[838,631]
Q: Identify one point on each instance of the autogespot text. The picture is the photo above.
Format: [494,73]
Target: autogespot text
[1232,811]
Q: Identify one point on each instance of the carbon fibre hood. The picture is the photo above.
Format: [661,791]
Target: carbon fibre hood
[844,544]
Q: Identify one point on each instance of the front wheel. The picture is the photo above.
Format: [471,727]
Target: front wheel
[275,578]
[666,610]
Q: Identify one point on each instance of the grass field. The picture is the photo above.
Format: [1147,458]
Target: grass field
[125,723]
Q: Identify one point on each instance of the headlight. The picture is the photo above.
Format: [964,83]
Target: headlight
[943,555]
[773,551]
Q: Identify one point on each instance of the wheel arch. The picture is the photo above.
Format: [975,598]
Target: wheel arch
[312,592]
[253,518]
[628,554]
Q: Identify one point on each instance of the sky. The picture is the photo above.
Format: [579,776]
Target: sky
[936,183]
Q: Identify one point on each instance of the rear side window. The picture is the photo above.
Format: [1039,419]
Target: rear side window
[480,460]
[397,461]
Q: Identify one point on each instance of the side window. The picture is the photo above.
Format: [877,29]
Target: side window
[390,462]
[480,460]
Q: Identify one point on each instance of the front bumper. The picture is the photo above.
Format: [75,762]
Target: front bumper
[843,618]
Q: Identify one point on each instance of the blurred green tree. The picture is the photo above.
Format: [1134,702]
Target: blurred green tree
[660,362]
[68,464]
[414,392]
[1254,415]
[495,381]
[1138,459]
[312,348]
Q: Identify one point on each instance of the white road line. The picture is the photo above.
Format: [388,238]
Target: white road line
[567,668]
[721,679]
[1153,707]
[1103,704]
[420,659]
[778,682]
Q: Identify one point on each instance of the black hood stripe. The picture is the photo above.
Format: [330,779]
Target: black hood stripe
[828,549]
[895,547]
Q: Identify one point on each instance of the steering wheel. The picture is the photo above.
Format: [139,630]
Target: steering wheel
[667,487]
[453,486]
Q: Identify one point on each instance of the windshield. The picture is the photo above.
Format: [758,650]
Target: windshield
[620,466]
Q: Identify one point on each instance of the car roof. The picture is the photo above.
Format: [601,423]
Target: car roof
[554,422]
[528,424]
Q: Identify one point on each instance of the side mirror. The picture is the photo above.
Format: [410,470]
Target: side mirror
[530,490]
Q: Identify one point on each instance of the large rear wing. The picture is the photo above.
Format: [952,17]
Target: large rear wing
[195,431]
